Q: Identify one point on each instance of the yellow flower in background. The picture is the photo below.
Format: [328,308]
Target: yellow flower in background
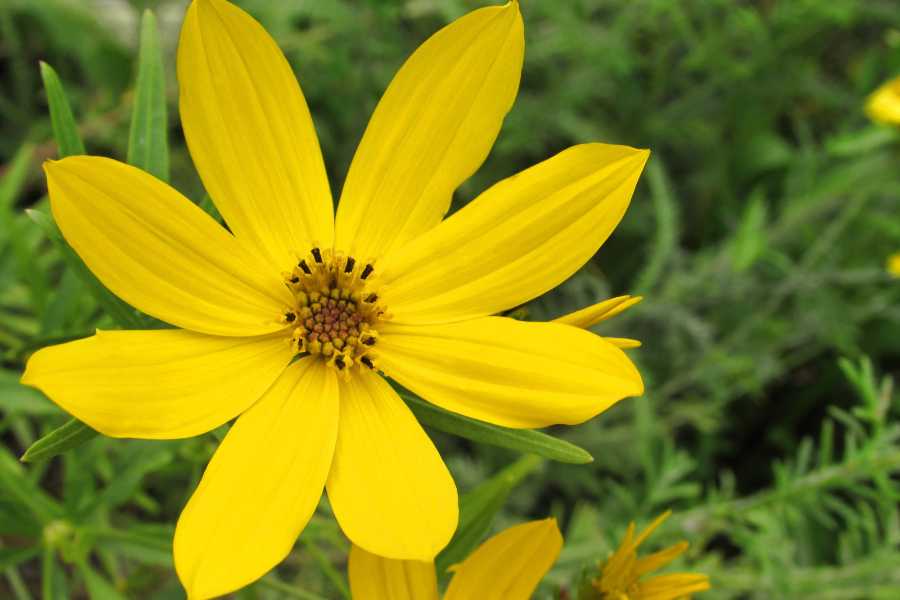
[883,105]
[622,575]
[289,318]
[893,264]
[508,566]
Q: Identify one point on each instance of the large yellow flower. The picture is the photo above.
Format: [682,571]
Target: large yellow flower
[508,566]
[290,316]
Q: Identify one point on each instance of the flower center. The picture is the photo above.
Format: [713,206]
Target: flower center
[336,310]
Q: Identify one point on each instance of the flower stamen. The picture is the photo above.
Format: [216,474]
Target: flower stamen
[337,309]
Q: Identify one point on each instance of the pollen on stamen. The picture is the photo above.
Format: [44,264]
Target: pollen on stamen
[337,310]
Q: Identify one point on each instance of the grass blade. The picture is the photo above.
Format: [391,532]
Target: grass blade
[147,142]
[521,440]
[64,129]
[72,434]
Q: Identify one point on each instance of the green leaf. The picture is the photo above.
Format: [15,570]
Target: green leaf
[750,241]
[147,142]
[72,434]
[478,508]
[13,179]
[11,557]
[98,588]
[64,129]
[520,440]
[123,314]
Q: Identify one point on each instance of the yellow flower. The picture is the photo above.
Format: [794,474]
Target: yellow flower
[291,316]
[622,575]
[883,105]
[893,264]
[508,566]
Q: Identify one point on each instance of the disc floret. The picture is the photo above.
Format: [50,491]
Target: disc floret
[337,309]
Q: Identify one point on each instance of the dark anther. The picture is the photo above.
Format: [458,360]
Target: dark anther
[368,340]
[317,254]
[339,362]
[305,267]
[366,272]
[295,279]
[372,298]
[290,317]
[367,361]
[351,262]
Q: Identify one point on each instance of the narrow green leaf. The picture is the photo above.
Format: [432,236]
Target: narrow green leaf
[14,178]
[147,143]
[68,436]
[98,588]
[12,557]
[478,508]
[123,314]
[64,129]
[17,489]
[520,440]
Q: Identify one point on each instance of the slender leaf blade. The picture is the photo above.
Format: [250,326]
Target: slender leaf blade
[64,128]
[521,440]
[70,435]
[147,141]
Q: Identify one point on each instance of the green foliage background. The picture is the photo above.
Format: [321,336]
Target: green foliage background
[758,236]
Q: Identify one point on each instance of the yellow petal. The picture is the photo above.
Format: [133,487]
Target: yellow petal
[157,384]
[261,486]
[507,372]
[388,487]
[250,133]
[432,129]
[597,313]
[374,577]
[159,252]
[883,105]
[509,565]
[517,240]
[624,343]
[676,586]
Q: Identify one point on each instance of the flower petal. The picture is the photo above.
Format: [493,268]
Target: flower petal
[261,486]
[250,133]
[158,384]
[509,565]
[390,491]
[507,372]
[596,313]
[520,238]
[374,577]
[432,129]
[161,253]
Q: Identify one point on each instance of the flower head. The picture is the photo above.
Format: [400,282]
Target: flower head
[622,574]
[508,566]
[292,318]
[883,105]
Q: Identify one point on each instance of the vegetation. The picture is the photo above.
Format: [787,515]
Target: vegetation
[757,236]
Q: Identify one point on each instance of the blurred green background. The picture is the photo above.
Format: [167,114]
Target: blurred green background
[758,236]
